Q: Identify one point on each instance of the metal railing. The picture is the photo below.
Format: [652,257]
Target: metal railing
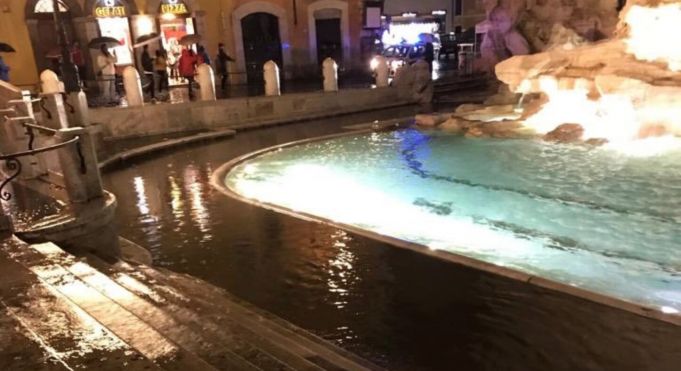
[14,166]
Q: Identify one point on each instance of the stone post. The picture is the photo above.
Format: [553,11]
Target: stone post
[133,87]
[54,102]
[81,112]
[271,74]
[206,80]
[81,175]
[5,222]
[330,72]
[382,72]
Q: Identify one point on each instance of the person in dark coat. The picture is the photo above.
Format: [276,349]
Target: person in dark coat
[221,65]
[148,67]
[429,55]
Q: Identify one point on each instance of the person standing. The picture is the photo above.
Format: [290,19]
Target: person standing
[202,56]
[106,65]
[78,60]
[429,55]
[161,67]
[221,65]
[148,67]
[188,63]
[4,70]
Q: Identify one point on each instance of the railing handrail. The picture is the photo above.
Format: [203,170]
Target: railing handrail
[40,150]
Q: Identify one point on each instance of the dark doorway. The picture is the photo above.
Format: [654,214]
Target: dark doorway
[261,44]
[328,31]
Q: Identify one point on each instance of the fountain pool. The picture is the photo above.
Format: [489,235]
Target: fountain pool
[585,217]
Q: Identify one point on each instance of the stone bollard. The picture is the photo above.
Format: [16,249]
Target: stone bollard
[206,80]
[5,222]
[49,82]
[54,101]
[466,62]
[81,112]
[81,175]
[271,74]
[133,87]
[330,72]
[382,72]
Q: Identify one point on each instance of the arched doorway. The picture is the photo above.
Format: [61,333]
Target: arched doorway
[328,31]
[262,43]
[42,30]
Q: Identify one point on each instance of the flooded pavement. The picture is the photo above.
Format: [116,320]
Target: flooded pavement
[397,308]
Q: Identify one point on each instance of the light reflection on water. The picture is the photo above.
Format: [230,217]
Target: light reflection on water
[559,212]
[399,309]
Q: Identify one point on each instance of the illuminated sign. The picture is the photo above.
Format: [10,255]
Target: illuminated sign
[109,9]
[173,7]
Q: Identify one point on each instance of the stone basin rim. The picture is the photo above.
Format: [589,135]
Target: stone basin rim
[217,181]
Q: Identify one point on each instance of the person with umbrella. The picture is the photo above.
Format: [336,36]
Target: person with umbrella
[106,64]
[221,65]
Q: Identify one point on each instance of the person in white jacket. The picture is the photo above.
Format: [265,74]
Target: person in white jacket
[106,74]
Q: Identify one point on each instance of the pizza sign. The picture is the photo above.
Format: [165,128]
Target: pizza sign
[109,8]
[173,7]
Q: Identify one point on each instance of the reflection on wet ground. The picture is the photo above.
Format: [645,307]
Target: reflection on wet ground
[397,308]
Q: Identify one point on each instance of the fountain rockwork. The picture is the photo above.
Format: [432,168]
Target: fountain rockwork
[518,27]
[624,91]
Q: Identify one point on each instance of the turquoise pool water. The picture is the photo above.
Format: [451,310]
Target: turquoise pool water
[591,218]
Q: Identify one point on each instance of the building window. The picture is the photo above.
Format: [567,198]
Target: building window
[458,7]
[47,6]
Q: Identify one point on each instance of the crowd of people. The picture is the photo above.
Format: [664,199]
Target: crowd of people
[157,69]
[183,68]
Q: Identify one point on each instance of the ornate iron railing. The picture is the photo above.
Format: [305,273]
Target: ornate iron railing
[13,165]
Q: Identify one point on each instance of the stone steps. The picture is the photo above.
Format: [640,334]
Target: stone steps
[59,333]
[152,319]
[293,346]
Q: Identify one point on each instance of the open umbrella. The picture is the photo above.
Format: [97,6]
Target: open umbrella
[97,42]
[146,39]
[6,48]
[190,39]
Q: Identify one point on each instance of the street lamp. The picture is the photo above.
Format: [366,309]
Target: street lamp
[69,71]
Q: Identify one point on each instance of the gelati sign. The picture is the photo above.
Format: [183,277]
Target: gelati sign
[173,7]
[109,8]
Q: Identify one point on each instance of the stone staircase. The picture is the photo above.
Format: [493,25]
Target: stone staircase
[63,312]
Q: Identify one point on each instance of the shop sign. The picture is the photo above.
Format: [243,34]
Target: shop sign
[109,8]
[173,7]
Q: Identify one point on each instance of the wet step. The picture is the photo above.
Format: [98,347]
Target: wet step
[124,325]
[156,319]
[288,343]
[49,332]
[19,351]
[154,310]
[183,325]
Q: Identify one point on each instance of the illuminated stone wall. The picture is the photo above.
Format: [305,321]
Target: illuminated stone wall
[213,20]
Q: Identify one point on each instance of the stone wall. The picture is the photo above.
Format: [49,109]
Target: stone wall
[237,112]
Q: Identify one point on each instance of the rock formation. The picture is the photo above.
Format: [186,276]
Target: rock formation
[518,27]
[635,72]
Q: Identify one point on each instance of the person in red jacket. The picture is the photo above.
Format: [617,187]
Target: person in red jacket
[187,68]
